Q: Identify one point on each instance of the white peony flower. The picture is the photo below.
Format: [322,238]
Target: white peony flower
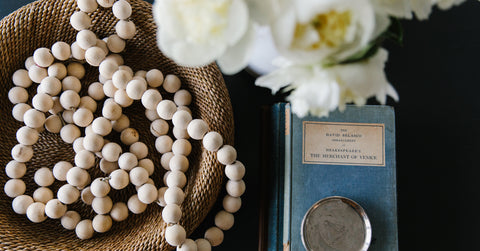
[310,31]
[318,90]
[447,4]
[198,32]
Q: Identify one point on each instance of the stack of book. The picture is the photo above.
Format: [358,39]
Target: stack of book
[349,154]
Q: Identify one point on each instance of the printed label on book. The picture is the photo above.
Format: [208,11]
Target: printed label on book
[343,143]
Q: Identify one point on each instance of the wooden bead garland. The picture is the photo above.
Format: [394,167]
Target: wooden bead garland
[119,83]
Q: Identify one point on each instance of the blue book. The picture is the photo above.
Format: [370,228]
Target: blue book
[349,154]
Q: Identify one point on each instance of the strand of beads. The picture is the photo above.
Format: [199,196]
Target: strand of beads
[122,88]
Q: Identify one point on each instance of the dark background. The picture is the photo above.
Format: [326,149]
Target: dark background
[438,133]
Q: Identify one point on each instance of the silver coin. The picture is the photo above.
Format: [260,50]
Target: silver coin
[336,223]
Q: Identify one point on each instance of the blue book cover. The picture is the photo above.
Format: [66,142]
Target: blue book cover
[349,154]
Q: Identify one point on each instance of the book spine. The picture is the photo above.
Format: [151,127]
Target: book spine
[287,178]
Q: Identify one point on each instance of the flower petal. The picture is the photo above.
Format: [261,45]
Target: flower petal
[236,57]
[282,77]
[237,22]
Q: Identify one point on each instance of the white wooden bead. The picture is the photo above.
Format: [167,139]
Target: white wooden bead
[100,187]
[57,107]
[182,98]
[161,199]
[36,212]
[163,144]
[42,194]
[188,245]
[148,165]
[80,21]
[88,103]
[165,177]
[102,205]
[102,223]
[42,102]
[61,51]
[50,85]
[197,128]
[154,78]
[60,170]
[121,78]
[29,62]
[43,57]
[109,89]
[67,116]
[181,119]
[121,123]
[85,159]
[119,179]
[70,220]
[119,211]
[84,229]
[21,203]
[111,110]
[19,111]
[54,209]
[224,220]
[165,160]
[69,133]
[175,235]
[140,150]
[44,177]
[106,3]
[166,109]
[136,88]
[174,195]
[235,171]
[77,176]
[171,83]
[115,44]
[159,127]
[71,83]
[147,193]
[57,70]
[235,188]
[95,90]
[182,147]
[122,9]
[214,235]
[176,179]
[18,95]
[102,44]
[121,97]
[127,161]
[212,141]
[34,118]
[68,194]
[125,29]
[126,68]
[117,57]
[107,166]
[87,196]
[203,245]
[76,69]
[78,52]
[86,39]
[172,213]
[226,154]
[129,136]
[37,73]
[141,73]
[178,163]
[83,117]
[15,169]
[69,100]
[111,151]
[87,5]
[20,78]
[95,55]
[102,126]
[135,205]
[151,98]
[179,133]
[107,68]
[78,145]
[14,188]
[93,142]
[22,153]
[27,136]
[138,176]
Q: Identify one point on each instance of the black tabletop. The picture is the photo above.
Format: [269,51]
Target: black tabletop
[436,73]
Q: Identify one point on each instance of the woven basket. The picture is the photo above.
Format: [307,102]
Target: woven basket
[41,24]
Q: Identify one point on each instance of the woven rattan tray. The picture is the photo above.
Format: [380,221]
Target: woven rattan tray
[41,24]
